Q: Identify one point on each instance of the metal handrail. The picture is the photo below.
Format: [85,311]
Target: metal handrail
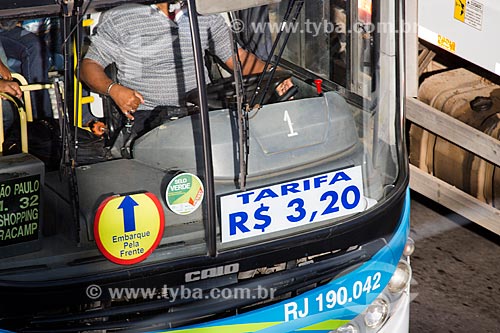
[23,122]
[26,88]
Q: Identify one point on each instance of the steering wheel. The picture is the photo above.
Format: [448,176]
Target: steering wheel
[222,93]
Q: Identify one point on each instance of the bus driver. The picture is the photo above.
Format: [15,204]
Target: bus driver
[151,47]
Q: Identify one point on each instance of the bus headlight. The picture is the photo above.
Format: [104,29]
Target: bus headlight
[409,247]
[377,313]
[347,328]
[401,277]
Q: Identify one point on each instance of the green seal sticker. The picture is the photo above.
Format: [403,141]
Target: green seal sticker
[184,194]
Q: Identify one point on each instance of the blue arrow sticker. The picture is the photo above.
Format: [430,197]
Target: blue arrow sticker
[128,205]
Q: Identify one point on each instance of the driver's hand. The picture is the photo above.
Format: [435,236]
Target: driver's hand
[128,100]
[283,87]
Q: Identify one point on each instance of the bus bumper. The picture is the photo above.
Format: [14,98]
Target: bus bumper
[310,311]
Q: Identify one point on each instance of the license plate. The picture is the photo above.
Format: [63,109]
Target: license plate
[292,204]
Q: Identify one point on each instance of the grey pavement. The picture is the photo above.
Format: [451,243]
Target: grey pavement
[456,272]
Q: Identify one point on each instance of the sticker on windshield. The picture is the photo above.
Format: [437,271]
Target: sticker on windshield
[128,228]
[289,205]
[184,193]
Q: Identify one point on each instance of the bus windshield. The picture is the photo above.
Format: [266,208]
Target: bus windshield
[271,152]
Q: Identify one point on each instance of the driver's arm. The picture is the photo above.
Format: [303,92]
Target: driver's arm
[92,73]
[106,47]
[250,64]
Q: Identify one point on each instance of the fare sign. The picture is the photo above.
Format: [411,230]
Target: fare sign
[292,204]
[128,228]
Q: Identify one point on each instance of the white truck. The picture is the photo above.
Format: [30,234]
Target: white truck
[454,120]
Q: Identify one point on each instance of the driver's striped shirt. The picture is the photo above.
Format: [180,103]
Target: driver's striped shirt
[153,54]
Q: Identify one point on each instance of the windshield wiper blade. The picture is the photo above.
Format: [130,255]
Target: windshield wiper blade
[243,137]
[288,13]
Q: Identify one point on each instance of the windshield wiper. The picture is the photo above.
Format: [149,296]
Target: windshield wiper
[243,136]
[243,119]
[293,9]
